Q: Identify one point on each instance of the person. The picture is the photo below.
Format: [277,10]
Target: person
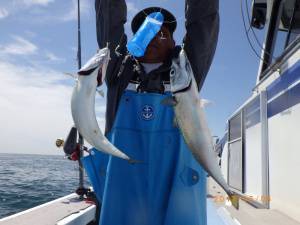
[168,187]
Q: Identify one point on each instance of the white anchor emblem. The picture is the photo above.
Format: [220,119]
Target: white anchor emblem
[147,112]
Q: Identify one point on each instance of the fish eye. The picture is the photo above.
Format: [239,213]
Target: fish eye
[172,72]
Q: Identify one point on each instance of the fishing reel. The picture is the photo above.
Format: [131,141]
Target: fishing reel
[70,146]
[73,149]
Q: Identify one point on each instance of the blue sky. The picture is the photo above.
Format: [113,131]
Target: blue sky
[38,44]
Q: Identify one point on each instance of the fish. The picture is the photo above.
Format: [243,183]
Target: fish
[190,118]
[83,104]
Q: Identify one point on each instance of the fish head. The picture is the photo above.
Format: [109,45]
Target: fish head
[98,61]
[181,73]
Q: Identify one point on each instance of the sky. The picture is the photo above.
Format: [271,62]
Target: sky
[38,44]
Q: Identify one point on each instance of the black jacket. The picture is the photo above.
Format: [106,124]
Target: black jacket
[202,28]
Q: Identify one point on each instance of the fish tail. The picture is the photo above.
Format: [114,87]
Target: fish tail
[234,199]
[133,161]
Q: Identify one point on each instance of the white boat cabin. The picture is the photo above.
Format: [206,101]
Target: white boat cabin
[260,152]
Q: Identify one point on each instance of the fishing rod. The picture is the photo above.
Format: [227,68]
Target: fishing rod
[80,138]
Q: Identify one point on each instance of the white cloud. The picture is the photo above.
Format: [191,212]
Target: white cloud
[61,11]
[35,109]
[206,102]
[85,8]
[37,2]
[3,13]
[52,57]
[19,46]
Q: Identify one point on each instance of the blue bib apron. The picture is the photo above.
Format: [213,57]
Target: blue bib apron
[168,187]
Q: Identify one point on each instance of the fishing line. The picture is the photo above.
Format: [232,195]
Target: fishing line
[251,28]
[254,34]
[247,34]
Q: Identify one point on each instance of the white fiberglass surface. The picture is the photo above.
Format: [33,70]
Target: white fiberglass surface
[284,159]
[217,216]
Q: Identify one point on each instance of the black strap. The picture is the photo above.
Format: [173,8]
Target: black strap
[152,82]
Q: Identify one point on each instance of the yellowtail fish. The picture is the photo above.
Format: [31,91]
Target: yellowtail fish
[83,104]
[190,118]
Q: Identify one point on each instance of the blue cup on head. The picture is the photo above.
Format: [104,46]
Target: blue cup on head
[138,44]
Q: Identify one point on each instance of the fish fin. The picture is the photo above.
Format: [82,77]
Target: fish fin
[169,101]
[234,199]
[133,161]
[101,93]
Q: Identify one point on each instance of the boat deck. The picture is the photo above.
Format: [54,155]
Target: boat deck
[247,214]
[69,210]
[65,210]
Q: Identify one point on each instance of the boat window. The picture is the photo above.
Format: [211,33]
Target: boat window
[280,44]
[236,153]
[235,127]
[289,26]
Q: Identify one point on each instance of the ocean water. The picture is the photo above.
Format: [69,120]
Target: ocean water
[30,180]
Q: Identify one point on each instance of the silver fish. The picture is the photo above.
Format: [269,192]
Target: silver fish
[190,118]
[83,104]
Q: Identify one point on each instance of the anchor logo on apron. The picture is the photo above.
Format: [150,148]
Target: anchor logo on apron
[147,112]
